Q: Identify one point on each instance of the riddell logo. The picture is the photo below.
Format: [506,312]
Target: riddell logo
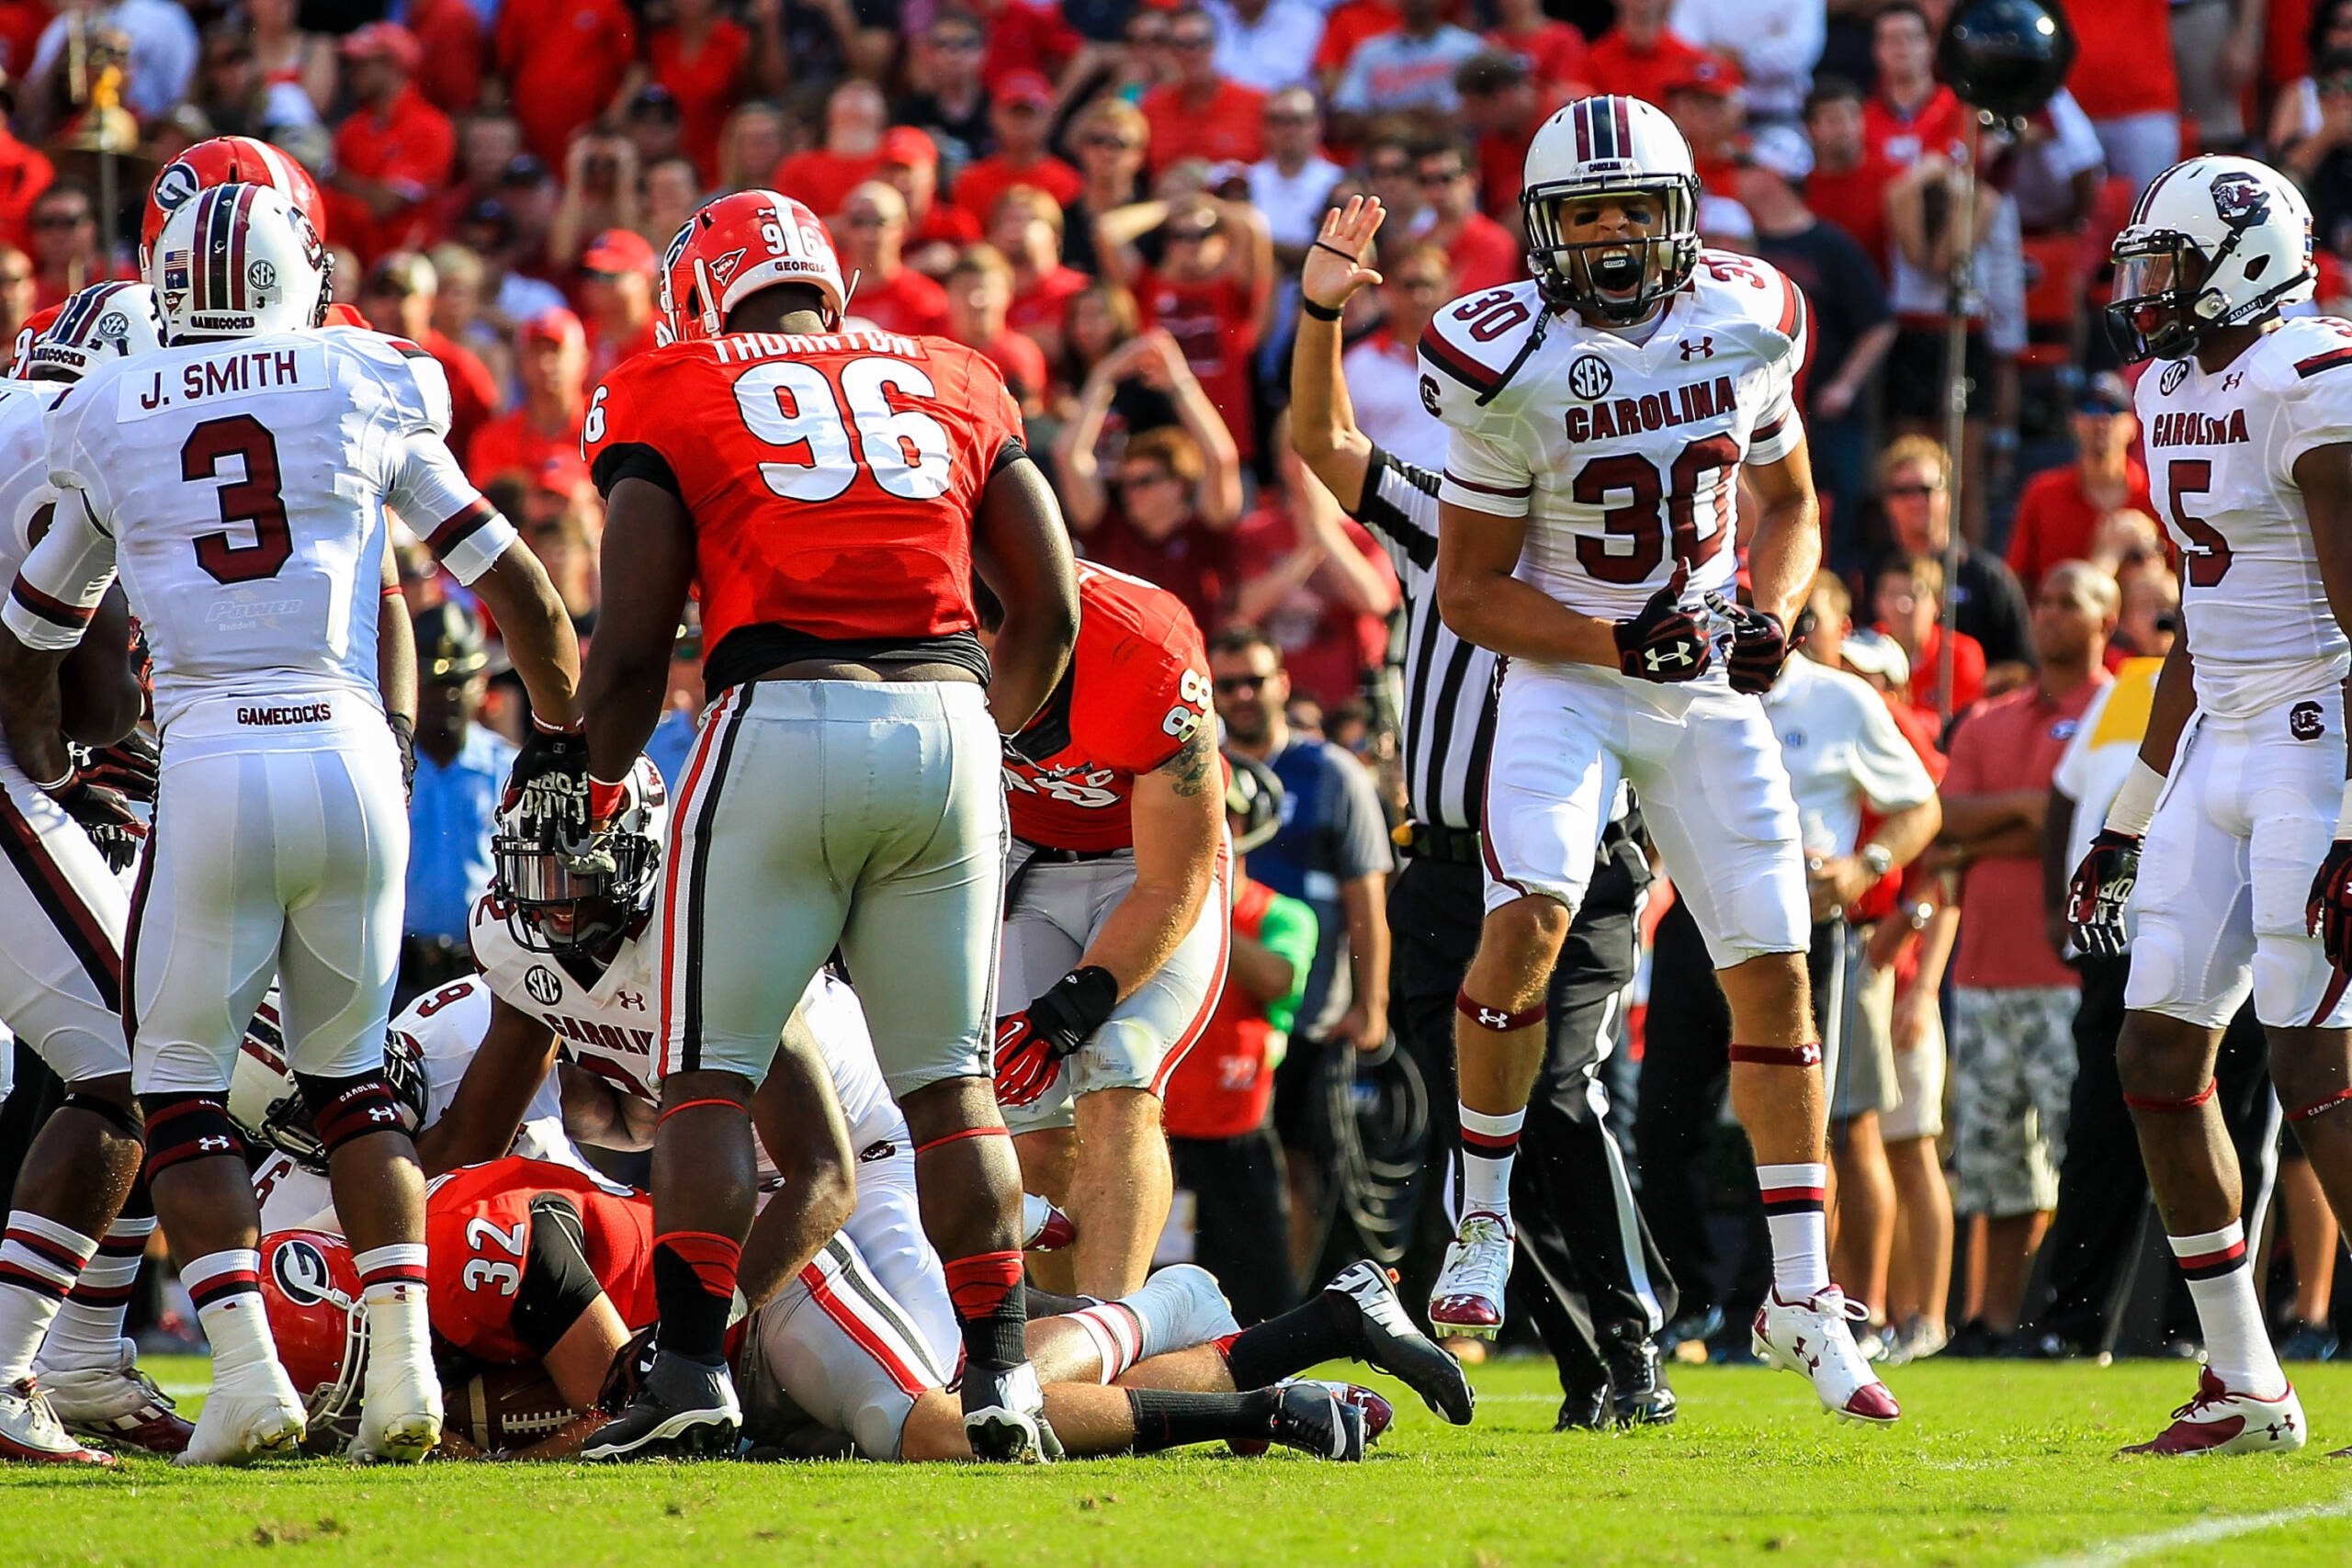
[2303,722]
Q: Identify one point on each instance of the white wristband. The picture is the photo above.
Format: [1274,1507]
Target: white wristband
[60,782]
[2135,803]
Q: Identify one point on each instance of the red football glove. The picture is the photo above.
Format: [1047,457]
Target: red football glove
[1032,1046]
[1026,1063]
[2101,888]
[2328,916]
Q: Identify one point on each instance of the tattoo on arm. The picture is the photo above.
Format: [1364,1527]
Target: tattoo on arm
[1193,768]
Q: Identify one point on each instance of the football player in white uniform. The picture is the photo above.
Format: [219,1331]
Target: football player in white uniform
[79,1220]
[237,479]
[2239,795]
[1602,415]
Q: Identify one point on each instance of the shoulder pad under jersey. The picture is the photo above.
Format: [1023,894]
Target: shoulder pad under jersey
[1752,299]
[1474,348]
[2304,352]
[411,379]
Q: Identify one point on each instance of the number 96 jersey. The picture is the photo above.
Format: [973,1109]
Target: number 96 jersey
[1621,454]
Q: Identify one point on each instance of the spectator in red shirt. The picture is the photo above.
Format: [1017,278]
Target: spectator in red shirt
[980,289]
[1911,115]
[1554,51]
[564,63]
[1201,114]
[398,298]
[1908,600]
[1481,253]
[1501,104]
[616,287]
[1020,111]
[1703,101]
[1848,186]
[937,231]
[450,33]
[1154,531]
[822,178]
[1640,55]
[1026,228]
[1211,288]
[551,361]
[1315,582]
[394,151]
[704,59]
[1027,35]
[25,173]
[2060,512]
[872,232]
[2124,79]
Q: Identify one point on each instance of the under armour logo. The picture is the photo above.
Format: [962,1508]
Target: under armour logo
[2230,382]
[214,1143]
[382,1113]
[1493,1018]
[632,999]
[1703,349]
[1668,658]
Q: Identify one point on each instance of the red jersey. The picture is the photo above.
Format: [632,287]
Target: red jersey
[1553,52]
[980,185]
[821,181]
[514,442]
[1230,128]
[562,61]
[1856,202]
[1210,320]
[707,84]
[1616,64]
[1137,689]
[2122,65]
[478,1224]
[831,479]
[1942,126]
[906,302]
[411,149]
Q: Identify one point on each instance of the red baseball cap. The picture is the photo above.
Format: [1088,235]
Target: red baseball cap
[909,146]
[385,38]
[1710,74]
[557,326]
[619,249]
[1025,87]
[561,473]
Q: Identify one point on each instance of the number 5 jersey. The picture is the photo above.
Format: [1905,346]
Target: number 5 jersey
[1621,446]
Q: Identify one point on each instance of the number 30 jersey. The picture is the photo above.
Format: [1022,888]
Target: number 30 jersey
[831,481]
[239,487]
[1622,455]
[2221,453]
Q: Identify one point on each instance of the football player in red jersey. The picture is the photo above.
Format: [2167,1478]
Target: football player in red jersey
[830,495]
[1114,934]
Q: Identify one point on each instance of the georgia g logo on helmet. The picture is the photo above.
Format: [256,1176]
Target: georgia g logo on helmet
[2238,200]
[301,1272]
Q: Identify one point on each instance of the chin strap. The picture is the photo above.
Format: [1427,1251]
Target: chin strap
[1526,351]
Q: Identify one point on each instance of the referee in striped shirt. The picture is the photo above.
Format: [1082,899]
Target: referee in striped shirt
[1600,1288]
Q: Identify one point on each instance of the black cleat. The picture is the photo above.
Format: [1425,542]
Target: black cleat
[1588,1410]
[1004,1415]
[1316,1419]
[684,1409]
[1390,1342]
[1639,1394]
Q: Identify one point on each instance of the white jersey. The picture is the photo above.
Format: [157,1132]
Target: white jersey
[2222,452]
[239,488]
[1620,454]
[24,467]
[608,1028]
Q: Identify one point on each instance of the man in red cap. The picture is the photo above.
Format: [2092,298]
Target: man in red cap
[616,286]
[937,231]
[822,178]
[562,61]
[1704,100]
[551,359]
[1201,114]
[394,151]
[1021,111]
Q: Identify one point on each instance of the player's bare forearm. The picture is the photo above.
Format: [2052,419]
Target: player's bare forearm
[1023,553]
[1179,813]
[537,632]
[1785,550]
[1323,427]
[513,1059]
[1907,833]
[2173,706]
[800,1123]
[1479,598]
[2323,474]
[1365,901]
[578,1362]
[649,564]
[106,699]
[30,709]
[395,646]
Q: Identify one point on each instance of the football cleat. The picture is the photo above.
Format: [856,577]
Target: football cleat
[399,1415]
[1388,1340]
[684,1409]
[1813,1339]
[1586,1410]
[31,1432]
[1326,1419]
[257,1416]
[116,1402]
[1004,1415]
[1639,1394]
[1044,1227]
[2218,1421]
[1468,1297]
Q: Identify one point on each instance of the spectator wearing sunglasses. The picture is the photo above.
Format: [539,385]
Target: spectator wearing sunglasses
[2060,512]
[1203,114]
[954,112]
[1481,253]
[1915,489]
[1168,513]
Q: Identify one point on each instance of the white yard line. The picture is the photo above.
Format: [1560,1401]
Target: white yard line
[2137,1546]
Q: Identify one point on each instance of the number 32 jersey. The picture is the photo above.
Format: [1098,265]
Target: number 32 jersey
[2221,454]
[1621,454]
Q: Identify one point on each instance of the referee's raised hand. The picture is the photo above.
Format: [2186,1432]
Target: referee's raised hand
[1334,267]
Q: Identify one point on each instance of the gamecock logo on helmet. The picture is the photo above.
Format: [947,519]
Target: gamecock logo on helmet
[2239,199]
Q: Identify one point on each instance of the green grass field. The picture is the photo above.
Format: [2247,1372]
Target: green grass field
[1996,1463]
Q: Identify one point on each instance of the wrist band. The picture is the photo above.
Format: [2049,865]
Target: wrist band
[1321,312]
[576,727]
[2135,803]
[60,782]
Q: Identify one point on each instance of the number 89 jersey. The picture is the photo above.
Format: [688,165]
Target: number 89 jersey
[1621,454]
[832,483]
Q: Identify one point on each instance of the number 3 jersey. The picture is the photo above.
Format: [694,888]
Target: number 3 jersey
[1621,454]
[239,487]
[831,481]
[2221,453]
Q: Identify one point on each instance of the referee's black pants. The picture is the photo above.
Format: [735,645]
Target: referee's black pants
[1587,1270]
[2093,1239]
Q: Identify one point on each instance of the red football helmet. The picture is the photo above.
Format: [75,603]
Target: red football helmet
[738,246]
[310,1287]
[226,159]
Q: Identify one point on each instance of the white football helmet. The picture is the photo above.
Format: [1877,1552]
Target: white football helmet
[1616,148]
[237,260]
[552,901]
[2215,241]
[266,1105]
[106,321]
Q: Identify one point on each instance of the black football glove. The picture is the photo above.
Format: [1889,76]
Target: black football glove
[1759,644]
[549,781]
[104,815]
[2328,916]
[2101,888]
[404,732]
[631,1362]
[129,767]
[1665,643]
[1031,1047]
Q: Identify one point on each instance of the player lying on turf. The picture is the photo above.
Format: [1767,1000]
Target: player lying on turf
[547,1269]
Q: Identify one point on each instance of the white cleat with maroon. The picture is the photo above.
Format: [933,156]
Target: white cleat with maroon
[1814,1340]
[1468,1297]
[31,1432]
[2221,1422]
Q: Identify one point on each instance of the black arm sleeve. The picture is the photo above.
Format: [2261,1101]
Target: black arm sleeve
[558,1284]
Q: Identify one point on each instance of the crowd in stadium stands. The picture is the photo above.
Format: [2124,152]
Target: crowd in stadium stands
[1112,199]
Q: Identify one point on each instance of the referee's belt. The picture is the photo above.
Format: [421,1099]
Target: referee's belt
[1433,841]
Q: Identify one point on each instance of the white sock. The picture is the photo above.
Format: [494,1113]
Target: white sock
[1793,1211]
[1118,1331]
[2221,1281]
[391,1283]
[1489,1145]
[226,1288]
[40,1262]
[88,1330]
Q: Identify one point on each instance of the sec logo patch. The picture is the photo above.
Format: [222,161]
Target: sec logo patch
[2174,374]
[545,988]
[1590,377]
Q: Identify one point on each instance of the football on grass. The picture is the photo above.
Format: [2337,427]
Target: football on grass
[507,1408]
